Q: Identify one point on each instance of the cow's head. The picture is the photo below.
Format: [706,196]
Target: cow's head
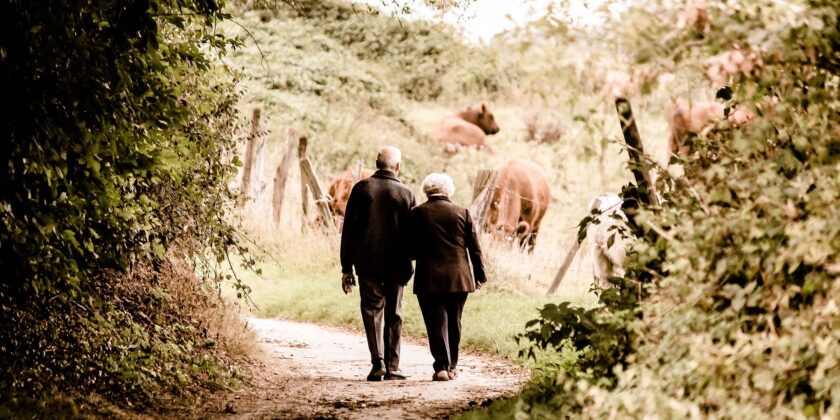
[338,195]
[504,230]
[518,235]
[482,117]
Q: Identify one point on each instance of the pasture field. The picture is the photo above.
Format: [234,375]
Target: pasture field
[303,74]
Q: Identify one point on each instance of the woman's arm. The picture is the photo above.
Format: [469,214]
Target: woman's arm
[474,250]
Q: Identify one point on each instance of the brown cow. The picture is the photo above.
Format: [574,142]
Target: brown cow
[339,193]
[724,67]
[696,118]
[469,127]
[519,202]
[623,84]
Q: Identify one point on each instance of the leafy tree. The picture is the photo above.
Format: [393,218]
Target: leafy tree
[118,144]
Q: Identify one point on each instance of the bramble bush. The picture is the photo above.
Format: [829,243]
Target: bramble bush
[729,307]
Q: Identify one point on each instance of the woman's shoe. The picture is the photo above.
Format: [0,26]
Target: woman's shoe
[395,375]
[377,371]
[440,376]
[453,374]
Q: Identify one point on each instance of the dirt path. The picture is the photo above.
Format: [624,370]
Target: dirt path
[310,371]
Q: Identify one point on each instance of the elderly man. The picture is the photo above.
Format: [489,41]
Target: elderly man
[374,241]
[445,243]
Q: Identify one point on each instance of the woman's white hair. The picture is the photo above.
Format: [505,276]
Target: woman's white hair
[436,183]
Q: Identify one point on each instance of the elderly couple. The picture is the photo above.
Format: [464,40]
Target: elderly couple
[383,231]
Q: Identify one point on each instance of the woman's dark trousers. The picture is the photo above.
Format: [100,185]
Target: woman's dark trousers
[442,316]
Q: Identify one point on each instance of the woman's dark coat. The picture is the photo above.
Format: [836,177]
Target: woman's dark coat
[443,236]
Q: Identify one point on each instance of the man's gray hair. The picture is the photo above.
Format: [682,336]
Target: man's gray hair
[388,158]
[437,183]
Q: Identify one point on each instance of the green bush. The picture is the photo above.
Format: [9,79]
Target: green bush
[729,304]
[118,137]
[424,60]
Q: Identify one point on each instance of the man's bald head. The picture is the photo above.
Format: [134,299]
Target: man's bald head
[389,158]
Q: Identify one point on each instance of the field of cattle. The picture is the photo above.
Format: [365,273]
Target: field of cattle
[553,109]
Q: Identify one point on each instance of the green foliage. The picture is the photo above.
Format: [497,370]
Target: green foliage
[422,59]
[729,306]
[118,131]
[117,151]
[132,339]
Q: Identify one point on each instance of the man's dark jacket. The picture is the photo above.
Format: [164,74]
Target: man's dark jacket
[443,235]
[375,233]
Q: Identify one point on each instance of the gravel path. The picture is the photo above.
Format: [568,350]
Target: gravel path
[311,371]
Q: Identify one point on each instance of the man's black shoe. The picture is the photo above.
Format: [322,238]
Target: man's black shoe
[395,375]
[376,372]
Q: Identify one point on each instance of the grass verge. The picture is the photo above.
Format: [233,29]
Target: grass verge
[303,284]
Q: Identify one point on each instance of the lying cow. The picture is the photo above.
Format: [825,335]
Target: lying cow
[339,193]
[608,256]
[469,127]
[696,118]
[519,202]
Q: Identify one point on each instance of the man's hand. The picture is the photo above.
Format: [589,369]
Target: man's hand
[347,282]
[478,285]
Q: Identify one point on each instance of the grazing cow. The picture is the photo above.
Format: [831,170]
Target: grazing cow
[339,192]
[469,127]
[623,84]
[696,118]
[519,202]
[607,255]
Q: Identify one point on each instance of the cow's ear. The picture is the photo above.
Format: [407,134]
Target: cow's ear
[483,108]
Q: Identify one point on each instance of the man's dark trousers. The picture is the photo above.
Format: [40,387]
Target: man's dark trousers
[442,315]
[382,317]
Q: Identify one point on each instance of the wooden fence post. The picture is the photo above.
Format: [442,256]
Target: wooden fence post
[282,173]
[570,256]
[304,190]
[636,150]
[308,176]
[309,182]
[485,183]
[561,273]
[639,167]
[253,156]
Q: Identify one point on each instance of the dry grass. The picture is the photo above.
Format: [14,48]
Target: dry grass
[199,305]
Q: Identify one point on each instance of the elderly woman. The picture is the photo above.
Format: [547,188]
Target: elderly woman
[445,242]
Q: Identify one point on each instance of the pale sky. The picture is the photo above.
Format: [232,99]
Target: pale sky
[483,19]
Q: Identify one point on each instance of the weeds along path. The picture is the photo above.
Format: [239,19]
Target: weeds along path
[310,371]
